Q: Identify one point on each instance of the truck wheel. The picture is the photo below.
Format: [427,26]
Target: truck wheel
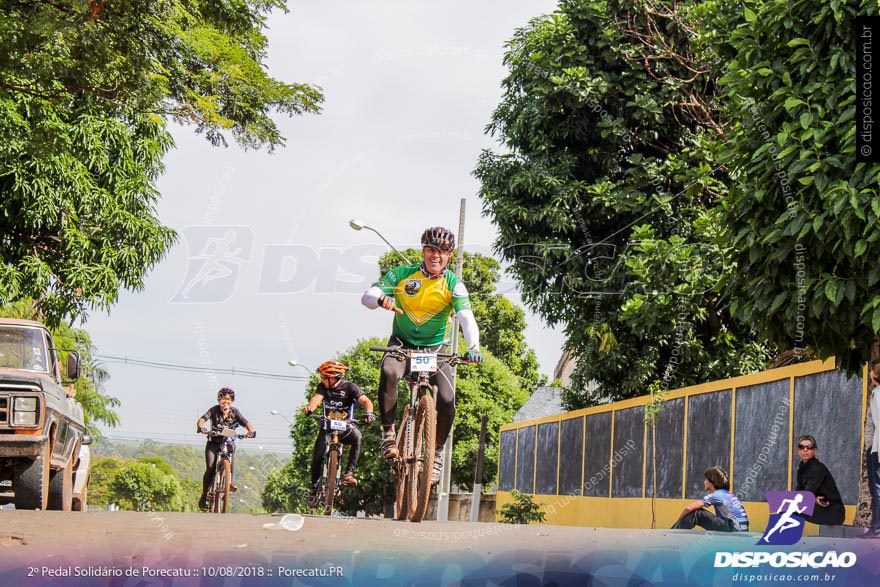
[81,501]
[31,482]
[61,489]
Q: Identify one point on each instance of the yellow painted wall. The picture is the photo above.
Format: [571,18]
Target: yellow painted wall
[619,512]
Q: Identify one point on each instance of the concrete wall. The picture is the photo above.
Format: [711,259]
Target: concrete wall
[460,508]
[748,425]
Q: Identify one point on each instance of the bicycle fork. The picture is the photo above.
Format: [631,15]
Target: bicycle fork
[334,444]
[410,423]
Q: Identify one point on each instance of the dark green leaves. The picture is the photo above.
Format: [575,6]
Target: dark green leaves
[826,256]
[84,102]
[623,246]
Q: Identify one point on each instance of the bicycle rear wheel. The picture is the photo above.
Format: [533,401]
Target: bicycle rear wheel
[401,503]
[423,463]
[330,491]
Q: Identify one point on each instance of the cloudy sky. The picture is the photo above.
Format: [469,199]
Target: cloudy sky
[267,268]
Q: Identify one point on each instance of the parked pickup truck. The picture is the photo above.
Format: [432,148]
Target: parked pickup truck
[43,444]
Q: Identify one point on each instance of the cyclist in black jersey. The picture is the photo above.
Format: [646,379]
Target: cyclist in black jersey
[223,415]
[338,397]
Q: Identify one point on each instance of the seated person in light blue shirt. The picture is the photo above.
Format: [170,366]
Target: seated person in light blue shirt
[729,516]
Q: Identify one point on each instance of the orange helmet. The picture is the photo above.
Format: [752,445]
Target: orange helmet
[332,369]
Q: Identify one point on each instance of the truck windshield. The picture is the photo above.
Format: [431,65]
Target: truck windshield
[23,348]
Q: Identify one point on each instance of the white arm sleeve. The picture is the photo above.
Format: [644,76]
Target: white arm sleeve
[371,297]
[469,328]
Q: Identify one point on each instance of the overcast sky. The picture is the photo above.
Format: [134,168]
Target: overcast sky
[267,268]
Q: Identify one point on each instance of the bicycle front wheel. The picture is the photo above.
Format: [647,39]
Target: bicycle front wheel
[330,491]
[423,465]
[222,481]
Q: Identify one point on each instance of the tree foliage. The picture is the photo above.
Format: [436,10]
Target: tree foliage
[188,464]
[147,485]
[86,91]
[606,198]
[801,214]
[285,490]
[101,474]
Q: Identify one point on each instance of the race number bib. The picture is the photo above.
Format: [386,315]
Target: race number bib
[338,425]
[423,362]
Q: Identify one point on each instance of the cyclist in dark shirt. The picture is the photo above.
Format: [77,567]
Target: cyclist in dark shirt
[814,476]
[223,415]
[338,397]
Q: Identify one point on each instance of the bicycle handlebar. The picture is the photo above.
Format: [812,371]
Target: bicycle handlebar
[405,352]
[322,417]
[211,434]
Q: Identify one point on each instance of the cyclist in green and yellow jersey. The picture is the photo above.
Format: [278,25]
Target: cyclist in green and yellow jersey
[423,295]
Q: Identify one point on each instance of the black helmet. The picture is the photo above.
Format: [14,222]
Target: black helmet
[439,238]
[226,391]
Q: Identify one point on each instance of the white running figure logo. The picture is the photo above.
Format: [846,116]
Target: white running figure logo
[214,252]
[787,521]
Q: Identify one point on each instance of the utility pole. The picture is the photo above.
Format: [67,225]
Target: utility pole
[478,473]
[446,476]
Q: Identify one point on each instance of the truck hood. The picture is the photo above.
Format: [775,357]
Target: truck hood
[17,376]
[49,388]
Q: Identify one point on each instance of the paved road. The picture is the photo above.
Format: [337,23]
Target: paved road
[95,546]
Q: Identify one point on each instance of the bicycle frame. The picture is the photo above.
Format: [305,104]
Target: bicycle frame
[333,443]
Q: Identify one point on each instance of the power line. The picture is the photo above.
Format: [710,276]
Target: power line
[273,445]
[126,360]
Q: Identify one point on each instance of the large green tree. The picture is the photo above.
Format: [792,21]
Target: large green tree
[606,196]
[146,485]
[802,214]
[86,93]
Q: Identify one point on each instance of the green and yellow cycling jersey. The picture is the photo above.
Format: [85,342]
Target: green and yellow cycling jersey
[426,303]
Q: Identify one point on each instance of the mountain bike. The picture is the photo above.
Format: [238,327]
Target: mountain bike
[416,436]
[218,494]
[328,487]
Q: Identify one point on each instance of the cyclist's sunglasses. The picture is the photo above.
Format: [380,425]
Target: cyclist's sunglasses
[806,447]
